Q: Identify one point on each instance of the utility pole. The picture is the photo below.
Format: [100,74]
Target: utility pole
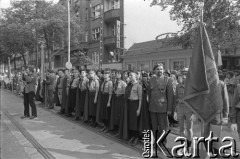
[101,36]
[36,7]
[68,64]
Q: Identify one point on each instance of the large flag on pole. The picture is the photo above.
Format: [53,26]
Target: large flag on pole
[203,89]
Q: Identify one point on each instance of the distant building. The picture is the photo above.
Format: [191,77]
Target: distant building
[143,56]
[102,41]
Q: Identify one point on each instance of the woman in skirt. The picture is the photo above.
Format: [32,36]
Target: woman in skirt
[73,92]
[129,125]
[118,102]
[93,88]
[81,95]
[105,109]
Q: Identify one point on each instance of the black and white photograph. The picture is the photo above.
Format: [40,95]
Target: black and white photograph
[119,79]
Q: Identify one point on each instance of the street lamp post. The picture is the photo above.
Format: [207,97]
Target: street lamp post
[68,64]
[69,31]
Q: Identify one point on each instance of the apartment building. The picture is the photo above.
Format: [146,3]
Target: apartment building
[102,40]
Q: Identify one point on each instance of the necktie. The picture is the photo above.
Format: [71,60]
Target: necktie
[80,83]
[129,89]
[90,82]
[104,83]
[116,85]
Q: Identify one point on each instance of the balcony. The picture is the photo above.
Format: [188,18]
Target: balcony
[111,15]
[109,40]
[84,45]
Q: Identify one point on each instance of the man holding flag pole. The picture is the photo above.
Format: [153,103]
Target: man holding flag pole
[205,95]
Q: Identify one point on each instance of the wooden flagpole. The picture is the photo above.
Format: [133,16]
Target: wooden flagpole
[201,5]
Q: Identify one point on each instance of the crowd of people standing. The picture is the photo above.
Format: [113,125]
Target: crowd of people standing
[126,102]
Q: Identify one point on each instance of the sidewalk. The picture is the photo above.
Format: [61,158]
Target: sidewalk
[49,126]
[64,139]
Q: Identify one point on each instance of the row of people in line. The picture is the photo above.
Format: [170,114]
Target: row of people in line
[128,105]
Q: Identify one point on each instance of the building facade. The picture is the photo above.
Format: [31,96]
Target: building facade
[143,56]
[102,39]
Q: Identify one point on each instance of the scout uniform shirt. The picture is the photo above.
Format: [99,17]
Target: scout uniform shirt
[161,95]
[119,88]
[75,82]
[136,92]
[93,85]
[107,87]
[83,83]
[180,94]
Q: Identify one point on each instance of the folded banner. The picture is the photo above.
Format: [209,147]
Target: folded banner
[203,88]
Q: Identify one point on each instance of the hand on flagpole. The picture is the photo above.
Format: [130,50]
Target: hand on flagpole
[193,118]
[225,121]
[175,116]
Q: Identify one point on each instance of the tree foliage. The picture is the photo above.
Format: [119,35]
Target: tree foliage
[220,16]
[26,24]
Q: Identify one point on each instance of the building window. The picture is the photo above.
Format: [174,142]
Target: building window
[115,4]
[130,67]
[96,33]
[159,61]
[143,66]
[86,36]
[178,65]
[113,29]
[114,56]
[86,14]
[95,57]
[96,11]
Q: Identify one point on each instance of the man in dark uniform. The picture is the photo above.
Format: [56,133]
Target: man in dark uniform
[160,92]
[29,93]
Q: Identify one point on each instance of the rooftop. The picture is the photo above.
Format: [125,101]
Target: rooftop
[152,47]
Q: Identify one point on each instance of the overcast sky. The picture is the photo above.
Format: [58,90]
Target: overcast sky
[143,23]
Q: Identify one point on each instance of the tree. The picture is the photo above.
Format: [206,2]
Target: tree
[16,40]
[51,23]
[221,18]
[16,34]
[27,23]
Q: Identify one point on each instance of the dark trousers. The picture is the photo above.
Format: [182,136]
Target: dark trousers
[159,122]
[29,100]
[50,97]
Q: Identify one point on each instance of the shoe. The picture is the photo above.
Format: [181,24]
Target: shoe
[116,135]
[32,117]
[94,124]
[103,129]
[60,113]
[23,117]
[69,115]
[76,118]
[106,130]
[135,142]
[85,121]
[131,140]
